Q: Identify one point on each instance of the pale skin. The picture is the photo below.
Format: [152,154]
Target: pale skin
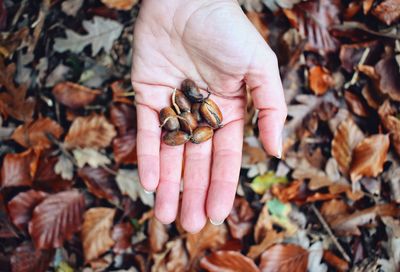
[213,43]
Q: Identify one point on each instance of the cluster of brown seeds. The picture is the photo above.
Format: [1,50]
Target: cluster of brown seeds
[192,117]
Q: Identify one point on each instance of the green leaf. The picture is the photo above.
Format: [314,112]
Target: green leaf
[262,183]
[64,267]
[280,215]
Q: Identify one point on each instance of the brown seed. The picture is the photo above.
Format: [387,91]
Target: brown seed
[196,111]
[188,123]
[211,113]
[190,89]
[169,119]
[202,134]
[176,138]
[182,102]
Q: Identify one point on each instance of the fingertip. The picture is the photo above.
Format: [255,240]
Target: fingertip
[271,128]
[148,174]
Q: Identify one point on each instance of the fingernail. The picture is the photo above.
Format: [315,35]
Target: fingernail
[216,223]
[148,192]
[280,146]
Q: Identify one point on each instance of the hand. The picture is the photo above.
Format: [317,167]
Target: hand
[213,43]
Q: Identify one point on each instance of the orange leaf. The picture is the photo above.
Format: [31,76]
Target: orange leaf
[334,209]
[369,157]
[56,219]
[19,168]
[346,137]
[120,4]
[74,95]
[33,134]
[388,11]
[335,261]
[320,80]
[91,131]
[284,257]
[228,261]
[271,237]
[21,207]
[96,232]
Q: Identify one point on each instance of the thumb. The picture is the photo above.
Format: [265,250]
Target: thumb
[267,93]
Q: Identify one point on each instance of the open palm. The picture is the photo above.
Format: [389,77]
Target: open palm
[212,43]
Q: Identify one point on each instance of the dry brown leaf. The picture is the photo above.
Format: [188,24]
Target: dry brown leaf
[122,235]
[210,237]
[19,169]
[10,41]
[258,20]
[21,207]
[174,258]
[33,134]
[350,54]
[158,235]
[334,209]
[228,261]
[345,225]
[96,232]
[73,95]
[319,79]
[123,117]
[338,263]
[389,76]
[263,225]
[120,4]
[124,148]
[26,258]
[391,123]
[346,138]
[283,258]
[295,191]
[56,219]
[369,156]
[240,218]
[388,11]
[271,237]
[91,131]
[355,104]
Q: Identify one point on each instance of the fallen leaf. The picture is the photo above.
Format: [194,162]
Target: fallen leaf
[19,169]
[258,21]
[123,117]
[284,257]
[46,178]
[369,156]
[101,34]
[91,157]
[34,134]
[25,258]
[121,92]
[64,167]
[56,219]
[388,72]
[355,104]
[351,54]
[391,123]
[228,261]
[120,4]
[128,183]
[262,183]
[71,7]
[124,148]
[338,263]
[158,235]
[73,95]
[96,232]
[210,237]
[92,131]
[174,258]
[240,218]
[263,225]
[280,213]
[100,183]
[345,225]
[21,207]
[271,237]
[122,235]
[388,11]
[334,209]
[320,79]
[295,191]
[346,138]
[313,19]
[11,41]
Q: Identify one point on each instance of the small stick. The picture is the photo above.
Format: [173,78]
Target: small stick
[329,231]
[166,120]
[178,111]
[356,73]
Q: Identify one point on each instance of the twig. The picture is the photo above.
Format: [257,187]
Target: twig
[356,73]
[329,231]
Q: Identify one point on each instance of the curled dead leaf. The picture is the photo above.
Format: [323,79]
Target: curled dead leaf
[21,207]
[122,235]
[96,232]
[369,156]
[19,169]
[73,95]
[346,138]
[355,104]
[389,75]
[228,261]
[240,218]
[388,11]
[123,117]
[284,257]
[174,258]
[320,80]
[391,123]
[120,4]
[91,131]
[335,261]
[124,148]
[158,235]
[56,219]
[33,134]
